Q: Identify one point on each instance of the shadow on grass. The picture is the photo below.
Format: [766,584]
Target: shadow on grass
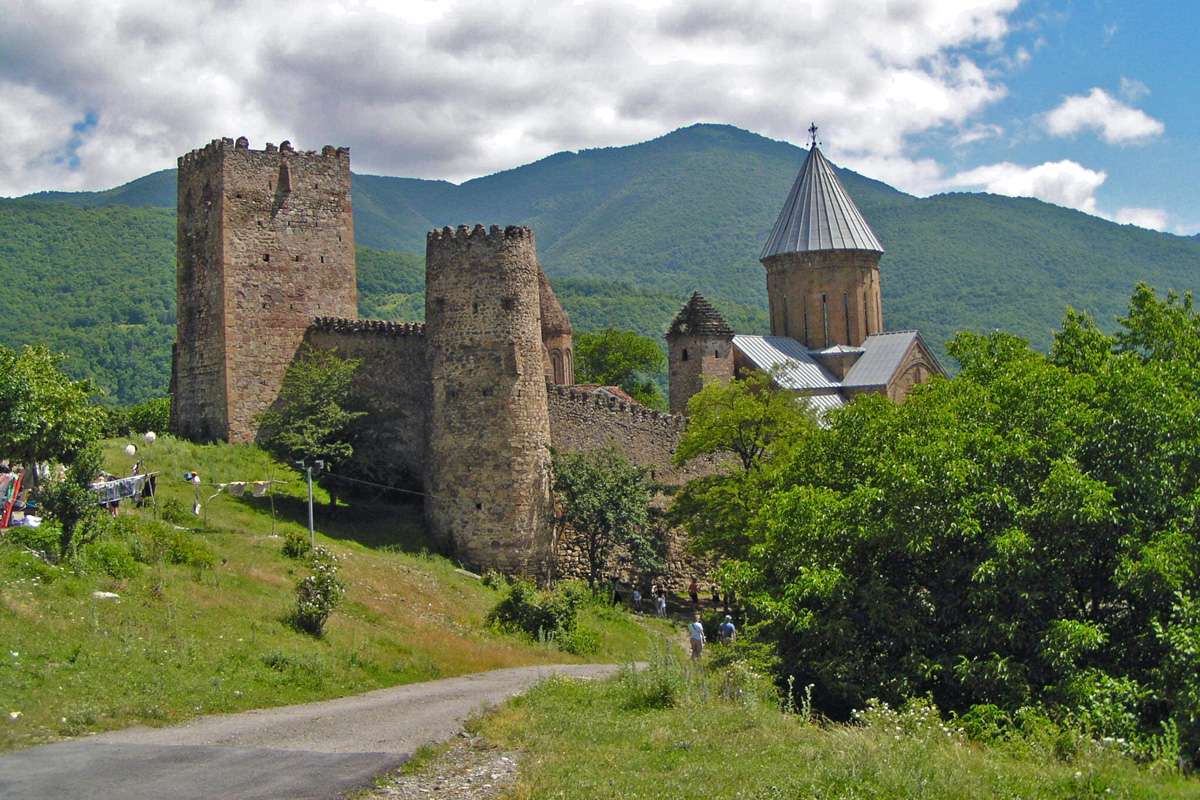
[371,523]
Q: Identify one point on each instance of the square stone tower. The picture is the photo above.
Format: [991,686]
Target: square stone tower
[264,244]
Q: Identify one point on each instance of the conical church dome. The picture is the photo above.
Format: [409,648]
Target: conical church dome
[554,320]
[819,215]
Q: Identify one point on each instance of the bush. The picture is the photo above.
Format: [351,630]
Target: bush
[28,565]
[546,616]
[296,544]
[150,541]
[174,511]
[662,683]
[318,594]
[111,557]
[494,579]
[150,415]
[44,540]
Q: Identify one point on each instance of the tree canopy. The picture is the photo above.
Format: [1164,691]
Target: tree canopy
[1027,532]
[44,416]
[613,357]
[605,499]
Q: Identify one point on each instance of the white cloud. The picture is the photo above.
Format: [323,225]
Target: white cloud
[977,133]
[1116,122]
[1065,183]
[1133,89]
[462,88]
[1153,218]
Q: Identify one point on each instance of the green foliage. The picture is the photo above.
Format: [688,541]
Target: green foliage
[318,594]
[173,510]
[622,358]
[43,415]
[1026,533]
[660,683]
[110,557]
[605,499]
[45,540]
[70,501]
[542,615]
[296,544]
[311,418]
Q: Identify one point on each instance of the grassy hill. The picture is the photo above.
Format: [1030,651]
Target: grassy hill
[200,628]
[626,233]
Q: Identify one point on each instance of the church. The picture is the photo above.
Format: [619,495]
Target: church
[827,341]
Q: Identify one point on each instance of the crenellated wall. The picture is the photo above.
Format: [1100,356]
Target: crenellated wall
[582,421]
[392,385]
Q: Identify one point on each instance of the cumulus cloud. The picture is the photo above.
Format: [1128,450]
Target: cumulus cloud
[1064,183]
[1116,122]
[1153,218]
[92,94]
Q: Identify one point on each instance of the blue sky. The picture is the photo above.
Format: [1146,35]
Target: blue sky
[1087,104]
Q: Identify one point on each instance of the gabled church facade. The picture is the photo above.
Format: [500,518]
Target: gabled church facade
[827,341]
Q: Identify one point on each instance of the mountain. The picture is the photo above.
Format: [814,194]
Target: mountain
[625,232]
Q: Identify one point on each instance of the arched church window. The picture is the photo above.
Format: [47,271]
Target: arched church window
[684,356]
[556,361]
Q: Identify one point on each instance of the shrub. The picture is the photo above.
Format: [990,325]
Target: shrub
[28,565]
[44,540]
[660,684]
[296,544]
[150,415]
[548,616]
[494,579]
[318,594]
[173,511]
[111,557]
[150,541]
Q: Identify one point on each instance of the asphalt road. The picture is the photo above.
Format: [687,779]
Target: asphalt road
[317,750]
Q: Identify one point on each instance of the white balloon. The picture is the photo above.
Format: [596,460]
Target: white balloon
[130,450]
[151,436]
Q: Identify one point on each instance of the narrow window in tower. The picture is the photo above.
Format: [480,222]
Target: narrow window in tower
[716,353]
[266,256]
[866,312]
[684,356]
[825,318]
[785,317]
[322,259]
[846,311]
[806,321]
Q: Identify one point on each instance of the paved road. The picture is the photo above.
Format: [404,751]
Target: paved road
[317,750]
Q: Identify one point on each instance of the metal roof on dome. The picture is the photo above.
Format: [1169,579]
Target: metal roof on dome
[819,214]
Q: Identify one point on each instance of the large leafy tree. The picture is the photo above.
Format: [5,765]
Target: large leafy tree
[311,419]
[44,416]
[614,357]
[605,499]
[1026,532]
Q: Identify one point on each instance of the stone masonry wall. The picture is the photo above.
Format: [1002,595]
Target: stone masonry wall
[709,358]
[581,421]
[392,385]
[266,243]
[489,433]
[849,282]
[198,365]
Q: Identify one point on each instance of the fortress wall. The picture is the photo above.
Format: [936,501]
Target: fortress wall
[392,384]
[580,421]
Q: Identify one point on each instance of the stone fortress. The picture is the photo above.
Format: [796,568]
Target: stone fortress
[469,404]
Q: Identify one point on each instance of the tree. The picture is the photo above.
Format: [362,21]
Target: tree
[311,419]
[605,499]
[622,358]
[1025,533]
[752,422]
[44,416]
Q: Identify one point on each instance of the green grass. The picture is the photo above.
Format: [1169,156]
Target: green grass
[184,640]
[605,740]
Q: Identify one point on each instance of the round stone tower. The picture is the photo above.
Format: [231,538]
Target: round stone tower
[822,261]
[488,471]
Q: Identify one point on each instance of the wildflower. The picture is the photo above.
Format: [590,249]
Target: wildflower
[14,715]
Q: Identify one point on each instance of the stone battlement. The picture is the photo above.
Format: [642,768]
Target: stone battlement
[226,144]
[612,404]
[466,233]
[367,327]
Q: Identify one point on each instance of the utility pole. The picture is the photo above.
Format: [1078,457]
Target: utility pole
[312,534]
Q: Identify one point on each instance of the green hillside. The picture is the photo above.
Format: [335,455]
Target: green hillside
[625,232]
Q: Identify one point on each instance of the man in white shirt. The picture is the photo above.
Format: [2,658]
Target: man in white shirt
[696,635]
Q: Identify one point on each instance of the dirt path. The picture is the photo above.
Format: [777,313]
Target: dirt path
[316,750]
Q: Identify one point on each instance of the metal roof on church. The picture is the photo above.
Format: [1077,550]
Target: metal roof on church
[882,355]
[819,215]
[787,361]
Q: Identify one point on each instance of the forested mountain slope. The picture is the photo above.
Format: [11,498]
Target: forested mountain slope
[625,232]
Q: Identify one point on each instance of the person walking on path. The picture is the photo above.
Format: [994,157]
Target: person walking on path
[696,636]
[728,630]
[694,593]
[660,603]
[637,600]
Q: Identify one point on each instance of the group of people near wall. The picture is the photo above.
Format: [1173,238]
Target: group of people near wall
[726,630]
